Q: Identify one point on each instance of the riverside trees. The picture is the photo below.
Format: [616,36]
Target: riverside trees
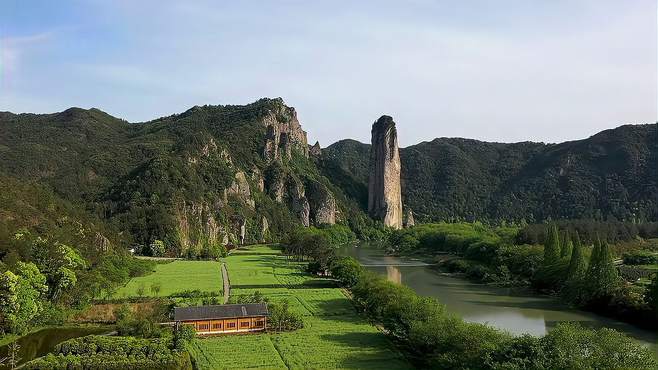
[438,340]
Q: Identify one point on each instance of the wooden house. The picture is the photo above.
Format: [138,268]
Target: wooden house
[226,318]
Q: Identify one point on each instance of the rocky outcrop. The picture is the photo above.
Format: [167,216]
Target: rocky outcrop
[240,189]
[315,150]
[322,203]
[296,197]
[284,133]
[257,178]
[384,190]
[409,220]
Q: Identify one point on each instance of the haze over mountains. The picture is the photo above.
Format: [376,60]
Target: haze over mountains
[246,173]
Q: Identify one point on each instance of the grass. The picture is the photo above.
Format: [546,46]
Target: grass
[334,335]
[236,352]
[175,278]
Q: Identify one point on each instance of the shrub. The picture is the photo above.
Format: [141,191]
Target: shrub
[640,258]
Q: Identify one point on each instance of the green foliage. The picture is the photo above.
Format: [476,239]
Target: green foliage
[454,179]
[94,352]
[282,319]
[184,335]
[652,295]
[20,297]
[439,340]
[575,281]
[640,258]
[602,278]
[347,270]
[552,248]
[569,346]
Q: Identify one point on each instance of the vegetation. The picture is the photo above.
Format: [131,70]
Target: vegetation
[454,179]
[174,279]
[586,277]
[439,340]
[333,336]
[93,352]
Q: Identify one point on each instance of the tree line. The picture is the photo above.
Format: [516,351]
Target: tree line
[436,339]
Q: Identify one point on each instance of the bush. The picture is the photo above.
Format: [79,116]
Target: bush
[640,258]
[282,319]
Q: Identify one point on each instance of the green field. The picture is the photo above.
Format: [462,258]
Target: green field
[176,277]
[334,335]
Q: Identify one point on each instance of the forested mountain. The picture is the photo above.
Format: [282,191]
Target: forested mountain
[611,175]
[215,175]
[211,175]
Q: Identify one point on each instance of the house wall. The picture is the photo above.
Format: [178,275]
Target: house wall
[240,324]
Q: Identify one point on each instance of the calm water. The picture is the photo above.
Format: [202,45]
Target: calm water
[42,342]
[511,309]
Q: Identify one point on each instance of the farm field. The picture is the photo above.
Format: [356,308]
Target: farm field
[334,335]
[177,277]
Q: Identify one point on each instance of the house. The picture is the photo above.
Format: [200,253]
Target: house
[226,318]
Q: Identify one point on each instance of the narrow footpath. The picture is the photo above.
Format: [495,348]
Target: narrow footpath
[227,283]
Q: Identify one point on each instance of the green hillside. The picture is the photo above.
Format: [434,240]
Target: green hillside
[611,175]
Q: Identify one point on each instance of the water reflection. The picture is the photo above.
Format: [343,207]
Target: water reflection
[514,310]
[393,274]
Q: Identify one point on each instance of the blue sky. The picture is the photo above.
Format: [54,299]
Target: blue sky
[497,70]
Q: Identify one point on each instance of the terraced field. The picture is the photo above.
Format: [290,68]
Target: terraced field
[334,335]
[176,277]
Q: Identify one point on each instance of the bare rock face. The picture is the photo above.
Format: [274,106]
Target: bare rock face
[409,222]
[322,202]
[284,133]
[384,190]
[240,188]
[315,150]
[297,201]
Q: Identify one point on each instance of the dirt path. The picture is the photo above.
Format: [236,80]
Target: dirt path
[227,283]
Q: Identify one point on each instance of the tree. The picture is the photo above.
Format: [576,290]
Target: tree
[602,277]
[566,245]
[552,247]
[652,295]
[155,288]
[13,359]
[577,270]
[347,270]
[140,290]
[157,248]
[20,296]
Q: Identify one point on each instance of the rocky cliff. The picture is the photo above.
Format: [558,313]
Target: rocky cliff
[384,190]
[211,175]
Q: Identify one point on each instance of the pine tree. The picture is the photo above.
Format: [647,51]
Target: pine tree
[552,247]
[577,264]
[608,275]
[574,287]
[602,277]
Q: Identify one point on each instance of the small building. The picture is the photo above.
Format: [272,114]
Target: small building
[226,318]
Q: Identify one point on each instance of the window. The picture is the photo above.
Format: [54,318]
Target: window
[217,325]
[203,326]
[259,323]
[244,324]
[230,325]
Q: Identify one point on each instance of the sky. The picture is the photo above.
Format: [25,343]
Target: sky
[494,70]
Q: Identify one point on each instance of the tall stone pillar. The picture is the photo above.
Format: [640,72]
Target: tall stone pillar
[384,191]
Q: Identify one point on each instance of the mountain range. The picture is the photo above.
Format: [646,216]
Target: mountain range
[240,174]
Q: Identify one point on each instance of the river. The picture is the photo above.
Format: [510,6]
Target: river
[513,309]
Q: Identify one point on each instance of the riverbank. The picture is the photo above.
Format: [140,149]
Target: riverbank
[517,310]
